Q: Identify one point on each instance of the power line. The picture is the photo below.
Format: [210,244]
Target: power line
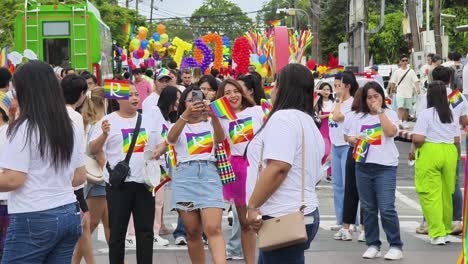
[223,15]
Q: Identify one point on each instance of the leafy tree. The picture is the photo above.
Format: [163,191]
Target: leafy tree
[333,22]
[176,28]
[389,43]
[220,16]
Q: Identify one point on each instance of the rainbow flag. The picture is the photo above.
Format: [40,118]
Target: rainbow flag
[222,108]
[276,22]
[455,98]
[116,89]
[140,142]
[361,149]
[4,57]
[199,143]
[170,155]
[241,130]
[266,107]
[162,181]
[373,134]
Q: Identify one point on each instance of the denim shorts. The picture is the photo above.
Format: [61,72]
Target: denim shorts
[94,190]
[47,236]
[197,185]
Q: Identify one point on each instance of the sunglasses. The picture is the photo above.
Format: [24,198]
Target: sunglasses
[404,60]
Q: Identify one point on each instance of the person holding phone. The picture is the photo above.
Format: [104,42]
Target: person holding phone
[196,186]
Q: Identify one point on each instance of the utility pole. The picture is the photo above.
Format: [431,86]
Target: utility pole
[358,37]
[294,18]
[414,25]
[151,11]
[136,6]
[437,37]
[316,11]
[127,2]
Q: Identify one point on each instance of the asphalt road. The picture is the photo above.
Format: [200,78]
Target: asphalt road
[324,249]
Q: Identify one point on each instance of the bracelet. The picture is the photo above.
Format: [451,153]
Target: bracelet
[252,208]
[183,119]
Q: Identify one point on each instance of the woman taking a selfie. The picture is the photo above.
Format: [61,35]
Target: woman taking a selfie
[197,191]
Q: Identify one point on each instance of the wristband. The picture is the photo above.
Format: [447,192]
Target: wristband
[183,119]
[253,208]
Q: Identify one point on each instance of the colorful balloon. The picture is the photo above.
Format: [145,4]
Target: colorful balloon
[144,44]
[311,64]
[134,44]
[161,29]
[182,47]
[156,36]
[262,59]
[140,53]
[164,38]
[142,33]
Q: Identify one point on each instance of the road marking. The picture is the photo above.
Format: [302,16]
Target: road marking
[408,201]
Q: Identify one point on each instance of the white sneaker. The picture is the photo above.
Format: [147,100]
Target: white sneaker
[372,252]
[362,237]
[394,254]
[230,256]
[130,242]
[159,241]
[343,234]
[438,241]
[447,239]
[180,241]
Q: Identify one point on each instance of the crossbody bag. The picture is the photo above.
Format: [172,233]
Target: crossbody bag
[120,172]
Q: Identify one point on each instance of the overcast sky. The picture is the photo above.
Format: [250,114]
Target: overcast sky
[177,8]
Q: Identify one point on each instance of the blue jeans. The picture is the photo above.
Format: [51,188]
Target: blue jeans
[43,237]
[338,163]
[292,254]
[180,229]
[234,245]
[376,185]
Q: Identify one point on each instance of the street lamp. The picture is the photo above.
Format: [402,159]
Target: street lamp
[292,12]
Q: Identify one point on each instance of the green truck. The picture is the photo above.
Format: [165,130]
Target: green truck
[67,35]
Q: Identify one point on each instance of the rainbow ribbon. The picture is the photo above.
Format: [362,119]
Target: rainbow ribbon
[170,155]
[266,107]
[361,149]
[222,108]
[4,57]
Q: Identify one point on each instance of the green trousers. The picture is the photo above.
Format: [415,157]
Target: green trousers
[435,168]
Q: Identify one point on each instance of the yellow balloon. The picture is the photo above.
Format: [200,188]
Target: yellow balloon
[182,47]
[263,72]
[164,38]
[162,51]
[226,64]
[134,44]
[157,45]
[147,53]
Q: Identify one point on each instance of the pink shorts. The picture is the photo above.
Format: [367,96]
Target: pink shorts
[235,191]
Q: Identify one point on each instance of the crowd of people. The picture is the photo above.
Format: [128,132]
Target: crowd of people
[72,159]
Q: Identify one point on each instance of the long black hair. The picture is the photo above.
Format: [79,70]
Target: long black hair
[43,108]
[363,107]
[183,97]
[166,103]
[437,98]
[320,100]
[347,77]
[210,80]
[254,84]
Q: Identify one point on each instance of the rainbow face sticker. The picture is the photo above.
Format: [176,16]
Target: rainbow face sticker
[140,142]
[372,134]
[241,130]
[199,143]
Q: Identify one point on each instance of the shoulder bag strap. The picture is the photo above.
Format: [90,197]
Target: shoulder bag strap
[302,171]
[136,131]
[402,78]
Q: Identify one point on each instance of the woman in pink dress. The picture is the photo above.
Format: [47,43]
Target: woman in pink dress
[323,107]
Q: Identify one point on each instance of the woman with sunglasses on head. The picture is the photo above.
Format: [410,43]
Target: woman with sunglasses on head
[252,86]
[196,186]
[376,158]
[240,131]
[435,135]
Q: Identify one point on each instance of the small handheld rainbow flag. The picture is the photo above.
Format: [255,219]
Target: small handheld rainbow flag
[4,57]
[162,180]
[266,107]
[116,89]
[455,98]
[361,149]
[267,87]
[222,108]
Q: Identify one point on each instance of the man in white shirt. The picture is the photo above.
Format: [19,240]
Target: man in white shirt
[406,83]
[162,79]
[424,71]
